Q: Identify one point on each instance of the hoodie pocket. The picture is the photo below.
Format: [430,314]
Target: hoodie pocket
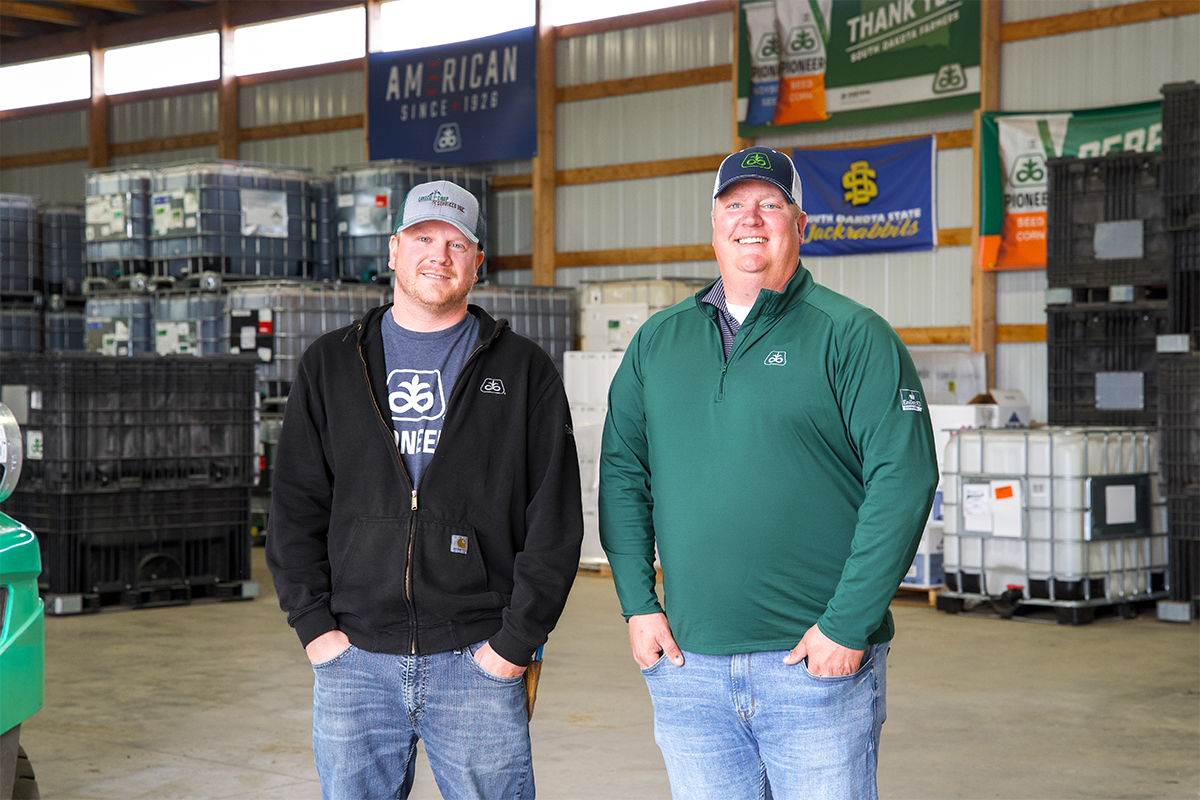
[368,577]
[449,577]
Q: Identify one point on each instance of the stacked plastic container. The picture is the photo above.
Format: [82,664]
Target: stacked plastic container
[324,229]
[1107,266]
[120,320]
[117,222]
[137,476]
[64,271]
[545,314]
[230,217]
[1179,349]
[368,197]
[22,317]
[1061,517]
[277,321]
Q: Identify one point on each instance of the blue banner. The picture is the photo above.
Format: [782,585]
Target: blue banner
[869,199]
[457,103]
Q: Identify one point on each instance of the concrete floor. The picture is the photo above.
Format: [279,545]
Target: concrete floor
[214,701]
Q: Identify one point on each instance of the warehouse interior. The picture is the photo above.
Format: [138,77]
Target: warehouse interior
[164,681]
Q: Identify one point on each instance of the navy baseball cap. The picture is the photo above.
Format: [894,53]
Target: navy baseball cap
[760,164]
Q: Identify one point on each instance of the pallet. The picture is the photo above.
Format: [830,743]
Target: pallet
[1073,614]
[150,597]
[601,569]
[917,596]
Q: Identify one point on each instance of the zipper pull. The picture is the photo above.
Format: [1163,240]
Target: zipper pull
[414,500]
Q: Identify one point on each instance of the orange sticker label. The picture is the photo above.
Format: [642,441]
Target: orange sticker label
[1004,492]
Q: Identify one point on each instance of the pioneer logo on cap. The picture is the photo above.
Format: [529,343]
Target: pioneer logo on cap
[756,161]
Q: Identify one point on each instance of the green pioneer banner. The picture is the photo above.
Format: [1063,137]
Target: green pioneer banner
[1014,148]
[811,64]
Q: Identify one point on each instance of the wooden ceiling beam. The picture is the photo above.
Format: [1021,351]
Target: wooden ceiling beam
[38,13]
[119,6]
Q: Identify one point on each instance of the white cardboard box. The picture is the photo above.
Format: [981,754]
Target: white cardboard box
[1007,408]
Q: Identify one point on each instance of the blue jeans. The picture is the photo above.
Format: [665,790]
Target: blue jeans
[369,710]
[749,727]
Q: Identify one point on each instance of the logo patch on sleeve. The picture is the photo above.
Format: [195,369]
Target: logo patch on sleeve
[910,400]
[458,544]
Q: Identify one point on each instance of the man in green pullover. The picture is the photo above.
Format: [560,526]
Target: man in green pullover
[770,438]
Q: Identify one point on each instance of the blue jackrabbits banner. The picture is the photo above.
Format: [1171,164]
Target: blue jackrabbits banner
[869,199]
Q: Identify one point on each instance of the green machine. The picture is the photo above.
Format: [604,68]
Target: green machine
[22,627]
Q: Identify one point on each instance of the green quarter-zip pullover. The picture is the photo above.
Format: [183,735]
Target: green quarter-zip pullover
[785,486]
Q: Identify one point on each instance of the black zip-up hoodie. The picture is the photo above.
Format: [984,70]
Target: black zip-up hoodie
[485,547]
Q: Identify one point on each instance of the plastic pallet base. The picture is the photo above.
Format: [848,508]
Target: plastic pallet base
[1062,614]
[150,597]
[1177,611]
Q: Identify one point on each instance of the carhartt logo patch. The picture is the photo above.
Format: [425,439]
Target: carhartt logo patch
[458,544]
[492,386]
[756,161]
[776,358]
[910,400]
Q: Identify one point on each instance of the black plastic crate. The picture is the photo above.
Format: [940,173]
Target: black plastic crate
[1184,292]
[62,250]
[20,246]
[22,323]
[1098,208]
[1181,154]
[109,424]
[1091,348]
[1179,423]
[66,325]
[1183,524]
[120,544]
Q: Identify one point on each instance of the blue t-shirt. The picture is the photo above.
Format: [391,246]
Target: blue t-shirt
[421,370]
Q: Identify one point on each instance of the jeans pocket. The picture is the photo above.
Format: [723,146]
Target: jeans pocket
[469,654]
[656,666]
[833,679]
[336,659]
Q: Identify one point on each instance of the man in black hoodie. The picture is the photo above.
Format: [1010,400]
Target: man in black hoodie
[425,523]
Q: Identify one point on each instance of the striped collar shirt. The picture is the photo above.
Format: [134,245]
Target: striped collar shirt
[727,322]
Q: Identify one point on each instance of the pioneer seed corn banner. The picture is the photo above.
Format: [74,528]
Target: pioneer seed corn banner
[869,199]
[884,60]
[1014,175]
[803,29]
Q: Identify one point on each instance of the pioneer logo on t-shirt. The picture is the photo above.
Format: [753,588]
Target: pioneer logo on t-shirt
[415,395]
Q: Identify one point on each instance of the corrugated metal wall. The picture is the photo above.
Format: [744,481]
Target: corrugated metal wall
[674,123]
[166,157]
[650,50]
[317,152]
[42,133]
[53,183]
[301,100]
[1105,67]
[158,119]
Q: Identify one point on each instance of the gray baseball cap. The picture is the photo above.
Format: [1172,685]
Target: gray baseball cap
[442,201]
